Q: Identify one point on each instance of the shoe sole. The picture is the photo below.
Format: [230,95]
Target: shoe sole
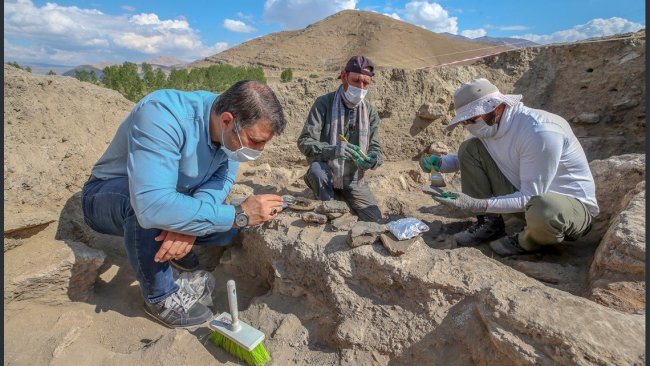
[181,268]
[188,327]
[477,243]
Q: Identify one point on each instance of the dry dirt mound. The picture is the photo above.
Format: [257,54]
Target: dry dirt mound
[327,44]
[55,128]
[598,86]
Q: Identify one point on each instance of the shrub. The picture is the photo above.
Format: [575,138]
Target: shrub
[286,75]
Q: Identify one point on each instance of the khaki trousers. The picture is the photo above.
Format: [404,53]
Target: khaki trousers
[548,219]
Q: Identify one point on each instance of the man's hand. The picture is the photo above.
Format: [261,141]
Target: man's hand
[463,202]
[174,245]
[346,150]
[261,208]
[367,163]
[428,162]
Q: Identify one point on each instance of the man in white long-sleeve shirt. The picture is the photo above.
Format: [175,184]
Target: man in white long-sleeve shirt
[518,161]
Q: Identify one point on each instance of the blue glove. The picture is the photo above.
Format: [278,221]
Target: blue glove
[367,163]
[428,162]
[463,202]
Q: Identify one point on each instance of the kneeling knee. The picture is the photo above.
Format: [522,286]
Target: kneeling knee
[540,210]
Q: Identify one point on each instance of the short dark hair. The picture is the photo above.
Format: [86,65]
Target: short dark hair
[249,101]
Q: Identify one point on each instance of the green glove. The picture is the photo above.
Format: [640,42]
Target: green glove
[463,202]
[367,163]
[352,151]
[428,162]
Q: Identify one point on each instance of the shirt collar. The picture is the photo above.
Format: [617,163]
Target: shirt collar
[207,109]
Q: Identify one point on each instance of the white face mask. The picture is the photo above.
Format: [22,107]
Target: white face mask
[355,95]
[243,154]
[481,129]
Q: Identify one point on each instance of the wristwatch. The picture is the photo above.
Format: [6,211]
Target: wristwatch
[241,218]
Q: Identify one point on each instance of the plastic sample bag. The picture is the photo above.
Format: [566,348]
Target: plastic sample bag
[198,283]
[407,228]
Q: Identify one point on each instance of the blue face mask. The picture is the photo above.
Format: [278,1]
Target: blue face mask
[243,154]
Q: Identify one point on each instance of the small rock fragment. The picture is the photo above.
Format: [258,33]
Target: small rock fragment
[431,112]
[344,223]
[587,117]
[333,207]
[626,104]
[334,215]
[303,204]
[363,233]
[314,218]
[438,148]
[396,247]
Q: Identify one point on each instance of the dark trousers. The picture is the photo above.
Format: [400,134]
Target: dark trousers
[356,193]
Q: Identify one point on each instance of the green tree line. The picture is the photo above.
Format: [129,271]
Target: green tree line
[125,79]
[15,64]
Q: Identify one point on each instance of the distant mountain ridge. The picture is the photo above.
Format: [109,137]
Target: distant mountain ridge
[497,41]
[166,63]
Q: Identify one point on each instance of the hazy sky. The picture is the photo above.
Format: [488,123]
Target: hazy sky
[73,32]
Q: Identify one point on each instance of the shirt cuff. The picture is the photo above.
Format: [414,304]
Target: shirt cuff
[328,152]
[225,218]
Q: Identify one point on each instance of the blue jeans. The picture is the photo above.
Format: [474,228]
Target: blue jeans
[107,210]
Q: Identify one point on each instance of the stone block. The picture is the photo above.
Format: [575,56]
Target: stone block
[364,233]
[51,271]
[333,207]
[344,223]
[396,247]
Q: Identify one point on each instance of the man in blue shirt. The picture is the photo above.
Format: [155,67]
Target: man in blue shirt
[162,182]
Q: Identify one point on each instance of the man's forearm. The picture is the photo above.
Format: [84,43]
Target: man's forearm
[317,150]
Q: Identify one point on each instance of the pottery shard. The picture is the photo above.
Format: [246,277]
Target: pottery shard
[344,223]
[396,247]
[334,215]
[303,204]
[364,233]
[314,218]
[333,207]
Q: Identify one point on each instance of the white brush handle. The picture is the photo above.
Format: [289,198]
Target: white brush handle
[232,302]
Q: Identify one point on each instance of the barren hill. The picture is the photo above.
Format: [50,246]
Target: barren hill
[327,44]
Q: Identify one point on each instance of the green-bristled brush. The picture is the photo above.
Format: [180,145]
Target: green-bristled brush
[236,337]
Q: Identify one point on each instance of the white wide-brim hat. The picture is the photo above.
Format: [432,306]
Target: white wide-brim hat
[478,97]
